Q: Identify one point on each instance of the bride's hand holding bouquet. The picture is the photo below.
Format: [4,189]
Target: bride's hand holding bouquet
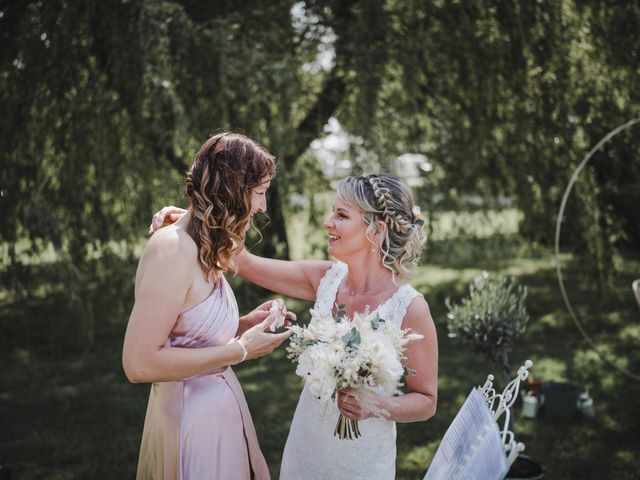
[357,362]
[350,407]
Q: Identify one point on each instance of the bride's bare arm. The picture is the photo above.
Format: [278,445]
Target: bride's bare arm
[422,388]
[293,278]
[298,279]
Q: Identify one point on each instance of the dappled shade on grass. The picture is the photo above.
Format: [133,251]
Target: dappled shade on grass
[68,412]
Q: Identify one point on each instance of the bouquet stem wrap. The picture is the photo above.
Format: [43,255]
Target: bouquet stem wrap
[347,428]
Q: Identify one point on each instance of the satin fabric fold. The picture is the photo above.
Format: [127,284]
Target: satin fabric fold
[200,427]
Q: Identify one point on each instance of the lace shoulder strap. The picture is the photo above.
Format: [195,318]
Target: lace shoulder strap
[395,308]
[328,288]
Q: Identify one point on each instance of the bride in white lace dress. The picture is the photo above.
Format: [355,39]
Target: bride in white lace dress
[376,237]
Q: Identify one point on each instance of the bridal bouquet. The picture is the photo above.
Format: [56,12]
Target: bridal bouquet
[364,353]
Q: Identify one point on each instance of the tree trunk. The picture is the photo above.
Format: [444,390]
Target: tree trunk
[277,244]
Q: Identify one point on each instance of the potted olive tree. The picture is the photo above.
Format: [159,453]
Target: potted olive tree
[490,319]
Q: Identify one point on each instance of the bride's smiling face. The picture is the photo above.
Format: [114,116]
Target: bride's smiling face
[346,230]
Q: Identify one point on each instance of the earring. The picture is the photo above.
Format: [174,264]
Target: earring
[373,249]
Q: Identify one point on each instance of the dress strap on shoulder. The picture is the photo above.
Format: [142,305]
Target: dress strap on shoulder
[396,307]
[328,288]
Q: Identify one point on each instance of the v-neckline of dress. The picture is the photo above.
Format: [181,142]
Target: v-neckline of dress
[378,307]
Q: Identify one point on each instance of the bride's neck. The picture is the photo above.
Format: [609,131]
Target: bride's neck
[367,277]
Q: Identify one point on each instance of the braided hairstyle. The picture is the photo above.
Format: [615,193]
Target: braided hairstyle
[218,186]
[385,197]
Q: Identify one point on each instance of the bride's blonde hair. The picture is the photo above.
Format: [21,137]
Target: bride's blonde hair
[385,197]
[218,185]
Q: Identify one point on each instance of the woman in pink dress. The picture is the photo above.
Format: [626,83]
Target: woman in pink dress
[184,332]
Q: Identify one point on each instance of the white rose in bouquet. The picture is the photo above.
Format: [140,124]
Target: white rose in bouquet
[364,353]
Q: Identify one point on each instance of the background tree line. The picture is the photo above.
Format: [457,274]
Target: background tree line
[104,104]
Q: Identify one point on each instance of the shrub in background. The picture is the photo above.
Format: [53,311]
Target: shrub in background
[490,318]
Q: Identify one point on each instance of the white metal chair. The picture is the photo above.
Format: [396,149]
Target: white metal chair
[475,447]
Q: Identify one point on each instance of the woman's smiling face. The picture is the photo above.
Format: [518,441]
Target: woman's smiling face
[346,230]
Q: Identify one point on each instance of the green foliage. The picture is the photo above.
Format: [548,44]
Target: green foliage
[491,318]
[351,340]
[376,321]
[506,98]
[104,105]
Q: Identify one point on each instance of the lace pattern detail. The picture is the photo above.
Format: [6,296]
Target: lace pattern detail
[393,309]
[328,288]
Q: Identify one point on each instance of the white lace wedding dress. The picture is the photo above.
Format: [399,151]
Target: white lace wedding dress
[312,452]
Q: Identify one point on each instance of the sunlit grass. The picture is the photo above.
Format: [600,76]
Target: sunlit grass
[66,411]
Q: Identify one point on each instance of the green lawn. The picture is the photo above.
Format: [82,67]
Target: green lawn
[67,411]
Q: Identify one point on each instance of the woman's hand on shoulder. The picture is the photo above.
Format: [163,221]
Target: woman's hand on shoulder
[165,216]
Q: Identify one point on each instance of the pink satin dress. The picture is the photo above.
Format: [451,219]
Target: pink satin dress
[200,428]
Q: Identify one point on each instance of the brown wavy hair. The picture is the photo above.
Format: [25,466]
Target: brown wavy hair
[226,168]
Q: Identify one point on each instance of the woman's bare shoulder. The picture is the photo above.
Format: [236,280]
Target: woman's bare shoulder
[418,314]
[170,244]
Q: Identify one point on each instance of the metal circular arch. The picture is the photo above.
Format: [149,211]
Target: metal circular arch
[565,197]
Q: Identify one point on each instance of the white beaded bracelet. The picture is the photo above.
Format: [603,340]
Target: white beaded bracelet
[244,349]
